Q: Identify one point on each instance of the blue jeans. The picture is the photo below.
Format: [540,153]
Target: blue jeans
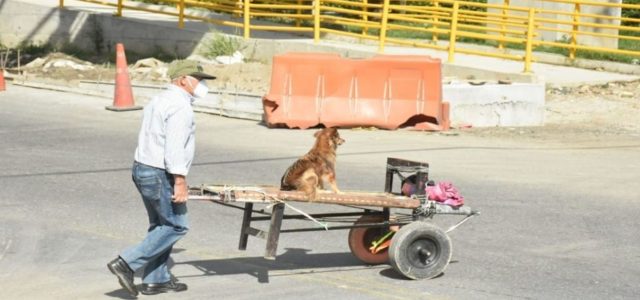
[167,224]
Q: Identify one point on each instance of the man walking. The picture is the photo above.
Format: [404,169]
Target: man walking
[166,144]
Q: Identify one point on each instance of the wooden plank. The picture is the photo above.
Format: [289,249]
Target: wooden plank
[270,194]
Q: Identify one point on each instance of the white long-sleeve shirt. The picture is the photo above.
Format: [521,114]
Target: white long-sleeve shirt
[167,136]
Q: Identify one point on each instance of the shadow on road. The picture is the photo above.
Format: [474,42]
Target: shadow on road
[293,259]
[122,294]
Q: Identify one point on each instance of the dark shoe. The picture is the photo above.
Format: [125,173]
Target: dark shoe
[125,275]
[157,288]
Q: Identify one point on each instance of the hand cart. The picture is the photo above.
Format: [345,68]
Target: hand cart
[413,246]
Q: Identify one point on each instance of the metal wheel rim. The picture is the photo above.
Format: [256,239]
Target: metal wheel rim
[423,253]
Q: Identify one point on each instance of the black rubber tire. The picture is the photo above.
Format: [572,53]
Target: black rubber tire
[360,239]
[420,250]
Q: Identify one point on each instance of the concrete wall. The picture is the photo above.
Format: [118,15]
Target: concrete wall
[91,31]
[93,27]
[582,39]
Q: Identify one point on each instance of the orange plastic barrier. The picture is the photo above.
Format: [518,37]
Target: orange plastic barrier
[384,91]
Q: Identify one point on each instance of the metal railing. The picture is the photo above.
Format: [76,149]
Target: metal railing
[423,23]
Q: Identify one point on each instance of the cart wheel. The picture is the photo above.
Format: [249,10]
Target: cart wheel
[420,250]
[360,239]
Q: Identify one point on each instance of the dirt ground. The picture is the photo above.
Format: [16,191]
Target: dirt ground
[600,112]
[586,112]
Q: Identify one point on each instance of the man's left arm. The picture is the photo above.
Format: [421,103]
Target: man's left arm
[180,189]
[178,132]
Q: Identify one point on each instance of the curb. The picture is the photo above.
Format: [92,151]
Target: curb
[223,103]
[482,106]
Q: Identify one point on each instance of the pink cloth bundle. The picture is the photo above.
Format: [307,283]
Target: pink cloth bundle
[446,193]
[443,192]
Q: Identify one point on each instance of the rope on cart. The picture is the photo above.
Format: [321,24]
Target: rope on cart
[324,225]
[228,189]
[459,223]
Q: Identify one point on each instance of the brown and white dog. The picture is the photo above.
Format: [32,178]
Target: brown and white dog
[309,172]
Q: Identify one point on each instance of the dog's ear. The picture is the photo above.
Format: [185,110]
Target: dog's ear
[317,133]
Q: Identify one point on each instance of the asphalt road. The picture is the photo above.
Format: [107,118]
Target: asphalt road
[559,219]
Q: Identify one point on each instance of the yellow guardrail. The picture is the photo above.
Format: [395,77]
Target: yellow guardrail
[422,23]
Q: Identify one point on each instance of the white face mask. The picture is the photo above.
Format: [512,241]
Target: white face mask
[201,90]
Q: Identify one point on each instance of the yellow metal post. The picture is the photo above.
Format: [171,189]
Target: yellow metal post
[529,48]
[434,36]
[505,6]
[298,14]
[246,11]
[453,32]
[119,9]
[365,17]
[61,4]
[181,14]
[316,21]
[239,6]
[574,31]
[383,26]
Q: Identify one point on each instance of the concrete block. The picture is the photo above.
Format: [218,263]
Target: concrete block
[518,104]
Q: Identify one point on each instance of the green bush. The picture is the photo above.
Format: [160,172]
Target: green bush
[221,45]
[631,12]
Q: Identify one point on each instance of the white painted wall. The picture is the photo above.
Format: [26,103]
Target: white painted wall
[583,39]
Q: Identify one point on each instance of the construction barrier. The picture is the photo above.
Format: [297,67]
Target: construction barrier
[2,84]
[386,91]
[123,94]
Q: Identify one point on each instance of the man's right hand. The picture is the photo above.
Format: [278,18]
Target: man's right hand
[180,189]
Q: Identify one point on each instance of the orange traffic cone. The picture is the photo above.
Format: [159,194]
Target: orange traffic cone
[2,86]
[123,96]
